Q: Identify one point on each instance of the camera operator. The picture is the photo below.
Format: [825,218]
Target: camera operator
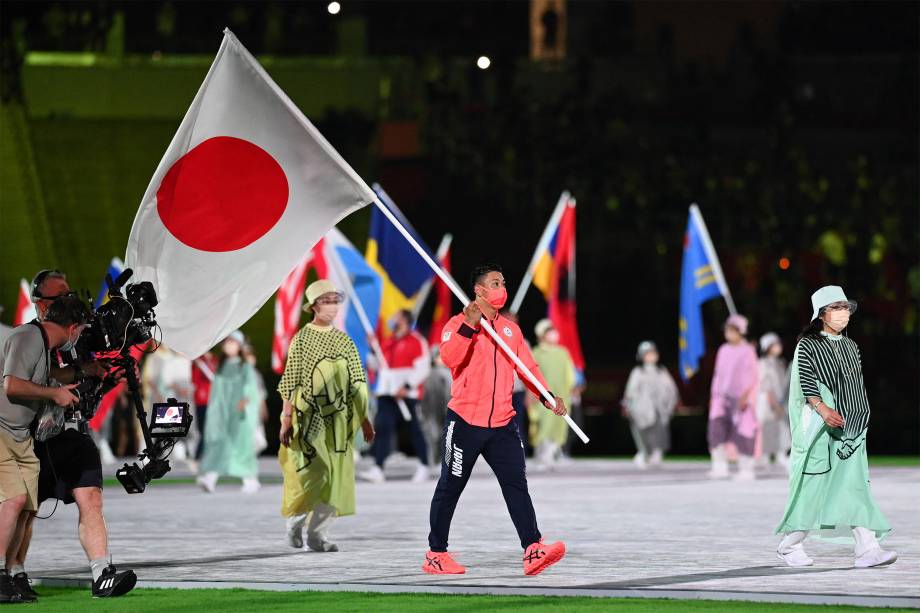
[71,468]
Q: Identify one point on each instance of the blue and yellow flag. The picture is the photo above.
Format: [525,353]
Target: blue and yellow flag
[401,268]
[116,267]
[698,283]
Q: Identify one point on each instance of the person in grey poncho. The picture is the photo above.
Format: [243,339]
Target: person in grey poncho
[649,402]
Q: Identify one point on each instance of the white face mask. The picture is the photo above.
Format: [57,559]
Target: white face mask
[838,320]
[69,345]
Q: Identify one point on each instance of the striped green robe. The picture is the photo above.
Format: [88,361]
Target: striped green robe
[829,489]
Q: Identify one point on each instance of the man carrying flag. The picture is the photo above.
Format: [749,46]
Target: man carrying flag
[481,422]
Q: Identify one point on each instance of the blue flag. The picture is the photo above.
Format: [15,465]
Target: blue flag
[115,268]
[368,289]
[698,283]
[401,269]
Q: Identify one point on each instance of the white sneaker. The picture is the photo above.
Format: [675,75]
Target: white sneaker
[374,475]
[294,527]
[795,558]
[251,485]
[207,482]
[321,545]
[656,458]
[639,461]
[876,557]
[421,474]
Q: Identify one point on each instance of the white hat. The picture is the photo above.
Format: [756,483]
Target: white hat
[645,347]
[237,336]
[738,322]
[543,326]
[317,289]
[829,294]
[768,340]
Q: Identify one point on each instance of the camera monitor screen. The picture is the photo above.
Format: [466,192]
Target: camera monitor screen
[170,419]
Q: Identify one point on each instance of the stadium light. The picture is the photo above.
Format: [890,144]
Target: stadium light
[334,8]
[483,62]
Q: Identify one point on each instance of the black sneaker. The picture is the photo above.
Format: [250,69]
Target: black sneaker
[113,583]
[8,592]
[24,585]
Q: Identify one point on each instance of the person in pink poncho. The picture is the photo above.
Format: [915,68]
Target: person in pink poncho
[732,418]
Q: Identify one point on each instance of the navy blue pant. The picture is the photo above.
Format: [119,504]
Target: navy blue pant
[519,403]
[504,452]
[388,419]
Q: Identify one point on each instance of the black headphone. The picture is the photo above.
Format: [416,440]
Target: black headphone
[39,279]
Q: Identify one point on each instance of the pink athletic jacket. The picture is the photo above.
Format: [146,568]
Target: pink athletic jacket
[483,376]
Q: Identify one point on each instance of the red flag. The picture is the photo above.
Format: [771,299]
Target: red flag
[288,303]
[562,297]
[25,309]
[443,298]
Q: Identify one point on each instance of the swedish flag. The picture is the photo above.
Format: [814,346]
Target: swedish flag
[700,280]
[401,268]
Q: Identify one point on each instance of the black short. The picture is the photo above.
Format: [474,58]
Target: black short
[68,461]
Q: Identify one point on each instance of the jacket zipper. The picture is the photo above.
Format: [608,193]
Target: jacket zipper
[494,380]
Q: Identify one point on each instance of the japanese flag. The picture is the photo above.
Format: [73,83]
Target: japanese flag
[246,187]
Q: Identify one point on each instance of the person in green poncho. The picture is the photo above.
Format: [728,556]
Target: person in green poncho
[549,433]
[324,391]
[233,413]
[829,494]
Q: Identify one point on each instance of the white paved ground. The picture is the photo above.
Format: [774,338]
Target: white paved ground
[668,532]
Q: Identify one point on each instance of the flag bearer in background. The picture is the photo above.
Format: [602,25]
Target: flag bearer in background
[649,402]
[481,422]
[554,361]
[324,393]
[732,417]
[408,365]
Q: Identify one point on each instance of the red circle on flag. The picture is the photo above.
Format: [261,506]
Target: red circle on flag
[223,195]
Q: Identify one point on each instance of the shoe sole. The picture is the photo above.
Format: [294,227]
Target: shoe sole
[443,572]
[780,556]
[885,563]
[122,588]
[548,561]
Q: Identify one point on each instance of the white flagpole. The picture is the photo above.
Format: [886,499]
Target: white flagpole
[366,324]
[710,250]
[426,289]
[455,289]
[542,244]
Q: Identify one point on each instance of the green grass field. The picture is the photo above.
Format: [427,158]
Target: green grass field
[61,600]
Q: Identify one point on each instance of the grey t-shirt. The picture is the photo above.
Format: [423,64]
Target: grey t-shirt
[23,356]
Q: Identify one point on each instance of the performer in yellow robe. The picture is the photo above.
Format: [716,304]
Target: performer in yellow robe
[324,389]
[548,432]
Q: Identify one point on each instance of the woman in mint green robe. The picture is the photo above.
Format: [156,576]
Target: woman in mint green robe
[829,493]
[233,414]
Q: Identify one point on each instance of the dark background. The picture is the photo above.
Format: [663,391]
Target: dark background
[792,124]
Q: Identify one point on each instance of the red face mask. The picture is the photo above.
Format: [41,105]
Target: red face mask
[496,297]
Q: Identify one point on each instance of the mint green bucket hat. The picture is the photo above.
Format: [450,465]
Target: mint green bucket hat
[829,294]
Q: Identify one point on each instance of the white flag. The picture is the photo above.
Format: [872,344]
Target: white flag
[246,187]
